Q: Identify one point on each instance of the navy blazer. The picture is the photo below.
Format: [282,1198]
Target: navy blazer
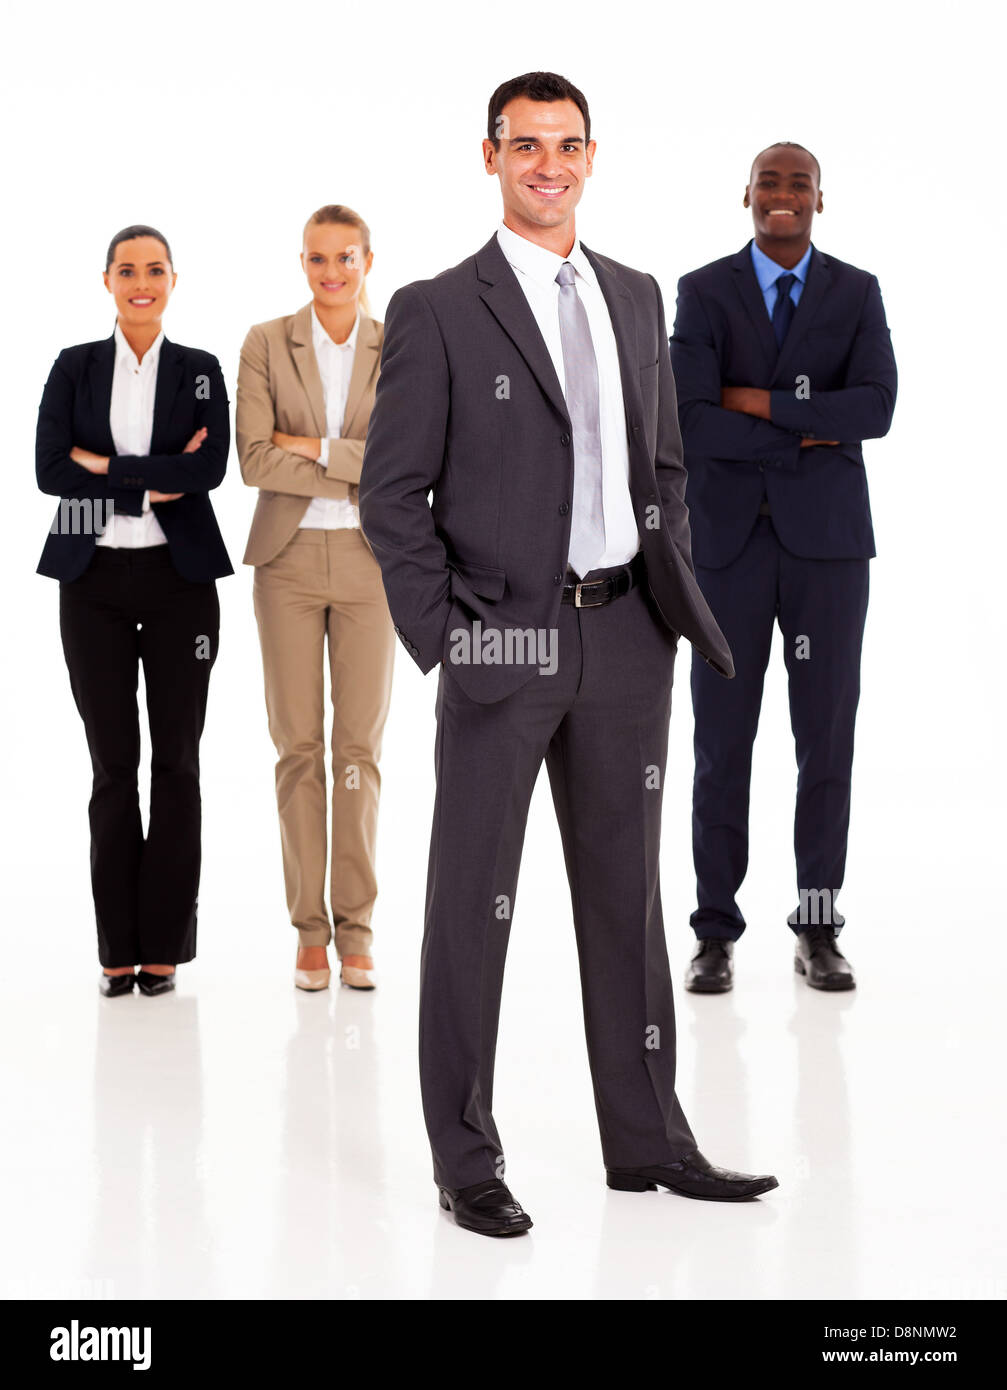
[835,378]
[189,394]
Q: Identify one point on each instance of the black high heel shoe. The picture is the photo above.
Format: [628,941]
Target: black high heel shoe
[154,984]
[111,986]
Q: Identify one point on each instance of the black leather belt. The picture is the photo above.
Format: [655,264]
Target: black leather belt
[593,593]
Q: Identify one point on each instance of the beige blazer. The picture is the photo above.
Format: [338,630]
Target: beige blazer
[279,388]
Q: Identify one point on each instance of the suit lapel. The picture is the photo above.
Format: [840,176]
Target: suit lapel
[748,290]
[303,353]
[818,279]
[508,305]
[100,372]
[365,363]
[623,316]
[169,379]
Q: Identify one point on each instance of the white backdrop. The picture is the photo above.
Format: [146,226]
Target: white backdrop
[225,126]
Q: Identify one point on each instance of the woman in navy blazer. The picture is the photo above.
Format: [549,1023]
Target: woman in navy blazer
[133,433]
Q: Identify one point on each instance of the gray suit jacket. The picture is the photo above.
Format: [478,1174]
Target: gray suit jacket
[469,411]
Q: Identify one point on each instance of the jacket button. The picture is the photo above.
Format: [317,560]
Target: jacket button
[762,466]
[564,439]
[563,508]
[557,579]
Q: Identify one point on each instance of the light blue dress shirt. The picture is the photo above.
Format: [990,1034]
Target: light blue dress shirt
[767,272]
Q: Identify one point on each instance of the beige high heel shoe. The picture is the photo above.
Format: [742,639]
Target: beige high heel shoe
[312,980]
[357,972]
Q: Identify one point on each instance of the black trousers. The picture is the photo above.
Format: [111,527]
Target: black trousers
[821,606]
[601,725]
[128,607]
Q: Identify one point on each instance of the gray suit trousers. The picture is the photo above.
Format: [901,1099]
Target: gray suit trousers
[600,722]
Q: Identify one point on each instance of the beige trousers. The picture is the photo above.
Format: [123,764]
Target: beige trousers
[326,584]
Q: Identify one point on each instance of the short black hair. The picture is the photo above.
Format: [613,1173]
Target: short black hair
[129,234]
[536,86]
[788,145]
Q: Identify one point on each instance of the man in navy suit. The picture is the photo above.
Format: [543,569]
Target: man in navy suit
[784,364]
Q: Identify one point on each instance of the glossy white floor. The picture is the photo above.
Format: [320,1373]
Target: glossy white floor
[242,1139]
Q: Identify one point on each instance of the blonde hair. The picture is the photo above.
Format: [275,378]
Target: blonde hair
[340,215]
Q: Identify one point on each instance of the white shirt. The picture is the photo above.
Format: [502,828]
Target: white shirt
[335,366]
[131,420]
[536,269]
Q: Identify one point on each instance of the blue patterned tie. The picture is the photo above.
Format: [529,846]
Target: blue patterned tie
[783,309]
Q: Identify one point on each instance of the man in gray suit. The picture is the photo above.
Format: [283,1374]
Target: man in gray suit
[529,393]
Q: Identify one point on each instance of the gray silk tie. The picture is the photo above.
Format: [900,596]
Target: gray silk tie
[580,367]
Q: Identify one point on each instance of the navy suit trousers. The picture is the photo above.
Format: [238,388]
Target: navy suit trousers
[821,606]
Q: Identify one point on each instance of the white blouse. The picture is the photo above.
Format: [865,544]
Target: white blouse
[131,419]
[335,367]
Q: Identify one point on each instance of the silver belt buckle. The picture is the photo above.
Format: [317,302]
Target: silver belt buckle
[577,603]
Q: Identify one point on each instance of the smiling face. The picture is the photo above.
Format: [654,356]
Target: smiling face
[542,162]
[140,279]
[783,195]
[335,263]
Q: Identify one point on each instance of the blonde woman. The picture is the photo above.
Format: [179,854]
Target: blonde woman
[305,391]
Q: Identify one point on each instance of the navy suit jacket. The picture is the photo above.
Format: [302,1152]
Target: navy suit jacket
[189,394]
[835,378]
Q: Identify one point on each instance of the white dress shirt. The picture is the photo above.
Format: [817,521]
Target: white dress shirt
[536,269]
[335,366]
[131,420]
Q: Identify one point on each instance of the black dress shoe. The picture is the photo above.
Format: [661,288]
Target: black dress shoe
[112,986]
[154,984]
[820,961]
[692,1176]
[486,1207]
[711,970]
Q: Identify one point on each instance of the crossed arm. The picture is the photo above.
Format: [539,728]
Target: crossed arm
[289,463]
[747,422]
[65,469]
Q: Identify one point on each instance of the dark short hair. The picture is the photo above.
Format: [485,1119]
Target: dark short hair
[129,234]
[788,145]
[536,86]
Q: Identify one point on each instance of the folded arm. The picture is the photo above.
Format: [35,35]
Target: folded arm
[55,471]
[709,429]
[267,464]
[863,407]
[196,470]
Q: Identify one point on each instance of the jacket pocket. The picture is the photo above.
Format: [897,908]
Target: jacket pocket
[481,579]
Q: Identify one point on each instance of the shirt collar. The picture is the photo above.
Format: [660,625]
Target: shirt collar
[123,351]
[767,271]
[539,263]
[319,337]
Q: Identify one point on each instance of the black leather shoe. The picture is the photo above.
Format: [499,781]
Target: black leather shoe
[820,961]
[486,1207]
[692,1176]
[112,986]
[154,984]
[711,970]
